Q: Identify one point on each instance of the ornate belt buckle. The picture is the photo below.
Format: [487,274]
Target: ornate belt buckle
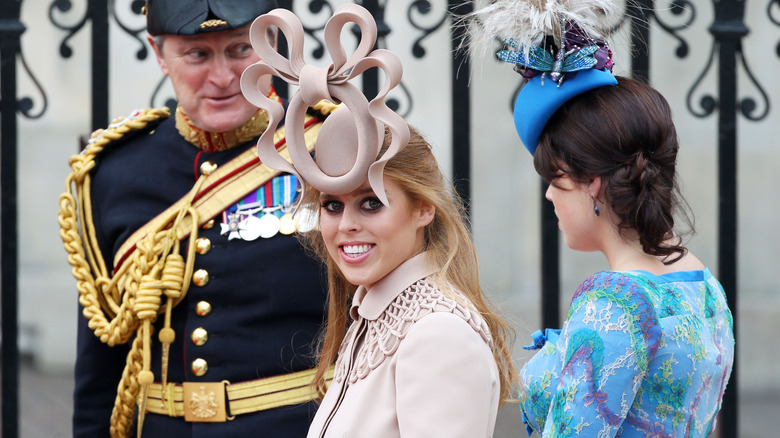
[204,401]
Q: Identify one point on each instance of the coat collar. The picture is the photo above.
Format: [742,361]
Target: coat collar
[370,304]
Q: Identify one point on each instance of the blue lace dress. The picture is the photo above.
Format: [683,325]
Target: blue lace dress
[639,355]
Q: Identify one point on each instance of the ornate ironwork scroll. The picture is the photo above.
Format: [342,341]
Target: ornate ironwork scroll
[726,31]
[64,6]
[136,7]
[423,8]
[26,104]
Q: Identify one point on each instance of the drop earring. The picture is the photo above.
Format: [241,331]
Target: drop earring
[596,208]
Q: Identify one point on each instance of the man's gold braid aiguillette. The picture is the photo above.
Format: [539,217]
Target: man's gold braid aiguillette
[128,302]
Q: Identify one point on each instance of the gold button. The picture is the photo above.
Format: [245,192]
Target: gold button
[200,277]
[199,367]
[203,308]
[200,336]
[202,245]
[207,168]
[209,224]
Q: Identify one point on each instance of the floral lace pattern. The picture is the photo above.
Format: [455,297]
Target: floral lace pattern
[383,335]
[639,356]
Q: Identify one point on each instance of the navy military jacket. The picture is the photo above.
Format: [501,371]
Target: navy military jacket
[267,296]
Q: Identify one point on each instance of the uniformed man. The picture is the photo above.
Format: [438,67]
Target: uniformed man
[199,304]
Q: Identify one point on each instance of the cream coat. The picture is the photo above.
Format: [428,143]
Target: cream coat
[414,363]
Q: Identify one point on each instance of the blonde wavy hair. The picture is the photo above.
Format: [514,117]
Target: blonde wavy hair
[446,239]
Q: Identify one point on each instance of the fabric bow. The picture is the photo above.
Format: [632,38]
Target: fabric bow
[540,338]
[352,140]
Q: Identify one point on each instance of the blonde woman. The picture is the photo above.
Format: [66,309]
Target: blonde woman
[417,350]
[423,354]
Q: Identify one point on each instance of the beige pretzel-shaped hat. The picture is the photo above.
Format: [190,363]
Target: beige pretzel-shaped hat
[350,138]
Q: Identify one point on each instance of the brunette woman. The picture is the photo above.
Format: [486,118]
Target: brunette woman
[648,345]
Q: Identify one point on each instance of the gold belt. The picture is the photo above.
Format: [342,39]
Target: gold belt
[205,401]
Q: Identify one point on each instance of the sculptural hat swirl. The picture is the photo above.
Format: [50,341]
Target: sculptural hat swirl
[350,139]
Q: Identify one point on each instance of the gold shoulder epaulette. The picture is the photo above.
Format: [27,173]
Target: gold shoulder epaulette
[83,163]
[121,126]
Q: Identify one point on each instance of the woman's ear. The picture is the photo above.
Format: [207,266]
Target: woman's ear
[424,213]
[594,188]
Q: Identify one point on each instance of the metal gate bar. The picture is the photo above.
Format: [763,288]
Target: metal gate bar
[11,30]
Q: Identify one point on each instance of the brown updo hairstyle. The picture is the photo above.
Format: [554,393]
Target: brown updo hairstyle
[625,135]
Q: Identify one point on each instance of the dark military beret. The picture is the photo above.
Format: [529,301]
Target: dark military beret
[190,17]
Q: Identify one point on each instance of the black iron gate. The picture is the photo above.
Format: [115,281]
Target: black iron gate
[728,30]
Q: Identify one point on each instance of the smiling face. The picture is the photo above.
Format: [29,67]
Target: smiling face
[205,72]
[368,240]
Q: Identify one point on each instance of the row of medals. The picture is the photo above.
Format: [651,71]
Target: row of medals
[244,224]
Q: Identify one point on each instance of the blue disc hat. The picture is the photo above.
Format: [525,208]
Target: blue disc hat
[537,101]
[555,45]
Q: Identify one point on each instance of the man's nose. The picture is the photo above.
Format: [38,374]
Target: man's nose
[222,74]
